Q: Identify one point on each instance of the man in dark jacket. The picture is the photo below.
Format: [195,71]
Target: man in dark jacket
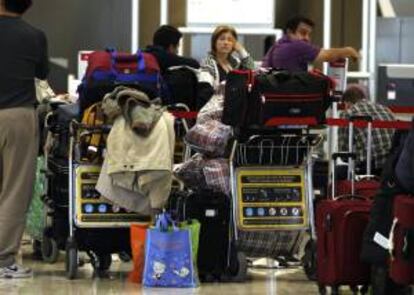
[165,47]
[23,56]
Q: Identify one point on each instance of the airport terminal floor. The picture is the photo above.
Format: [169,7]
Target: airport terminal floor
[51,279]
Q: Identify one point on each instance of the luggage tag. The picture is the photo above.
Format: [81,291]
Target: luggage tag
[382,241]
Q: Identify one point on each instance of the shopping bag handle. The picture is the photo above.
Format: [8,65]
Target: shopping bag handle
[164,220]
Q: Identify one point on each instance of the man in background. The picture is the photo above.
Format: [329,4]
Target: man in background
[165,47]
[357,103]
[294,51]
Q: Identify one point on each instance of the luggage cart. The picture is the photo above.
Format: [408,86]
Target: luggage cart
[93,221]
[272,191]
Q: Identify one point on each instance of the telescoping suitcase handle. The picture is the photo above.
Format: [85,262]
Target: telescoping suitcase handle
[368,119]
[351,158]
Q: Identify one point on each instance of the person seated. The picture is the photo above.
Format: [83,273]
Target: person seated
[294,51]
[165,47]
[357,103]
[226,54]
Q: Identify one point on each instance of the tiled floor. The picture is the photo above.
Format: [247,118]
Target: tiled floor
[51,279]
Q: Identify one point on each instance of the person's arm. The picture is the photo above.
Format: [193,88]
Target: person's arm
[42,66]
[334,54]
[246,60]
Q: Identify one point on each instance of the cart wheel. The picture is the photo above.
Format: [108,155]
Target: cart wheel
[101,264]
[124,256]
[364,289]
[50,250]
[335,290]
[241,275]
[105,261]
[309,261]
[354,289]
[71,260]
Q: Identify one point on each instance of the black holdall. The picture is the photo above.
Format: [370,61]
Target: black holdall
[253,99]
[294,94]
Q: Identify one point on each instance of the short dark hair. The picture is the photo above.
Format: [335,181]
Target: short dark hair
[166,35]
[355,93]
[17,6]
[293,23]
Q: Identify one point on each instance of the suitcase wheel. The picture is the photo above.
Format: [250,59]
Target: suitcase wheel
[335,290]
[322,289]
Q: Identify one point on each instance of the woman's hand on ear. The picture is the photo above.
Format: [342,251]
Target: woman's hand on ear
[238,47]
[242,52]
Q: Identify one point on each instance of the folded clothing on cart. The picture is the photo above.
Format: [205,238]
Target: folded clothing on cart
[127,199]
[150,191]
[140,164]
[138,110]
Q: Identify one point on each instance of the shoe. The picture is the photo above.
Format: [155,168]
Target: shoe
[15,271]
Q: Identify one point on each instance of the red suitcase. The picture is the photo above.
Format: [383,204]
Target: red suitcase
[402,241]
[340,224]
[366,185]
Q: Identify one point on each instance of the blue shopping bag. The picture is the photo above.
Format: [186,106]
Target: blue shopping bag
[169,259]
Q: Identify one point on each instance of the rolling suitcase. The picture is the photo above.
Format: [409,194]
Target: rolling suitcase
[340,224]
[218,258]
[366,185]
[402,241]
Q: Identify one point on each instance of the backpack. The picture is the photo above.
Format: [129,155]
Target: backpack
[56,135]
[92,144]
[179,86]
[108,69]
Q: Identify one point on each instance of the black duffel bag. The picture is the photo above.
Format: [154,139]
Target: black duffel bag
[253,101]
[300,94]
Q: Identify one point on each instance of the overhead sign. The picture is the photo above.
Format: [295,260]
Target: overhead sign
[240,13]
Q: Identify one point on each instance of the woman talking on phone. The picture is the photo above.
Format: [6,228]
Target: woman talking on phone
[226,54]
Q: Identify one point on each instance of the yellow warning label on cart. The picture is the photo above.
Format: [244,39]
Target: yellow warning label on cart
[271,198]
[92,209]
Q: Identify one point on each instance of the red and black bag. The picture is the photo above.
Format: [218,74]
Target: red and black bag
[402,241]
[294,94]
[108,69]
[253,99]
